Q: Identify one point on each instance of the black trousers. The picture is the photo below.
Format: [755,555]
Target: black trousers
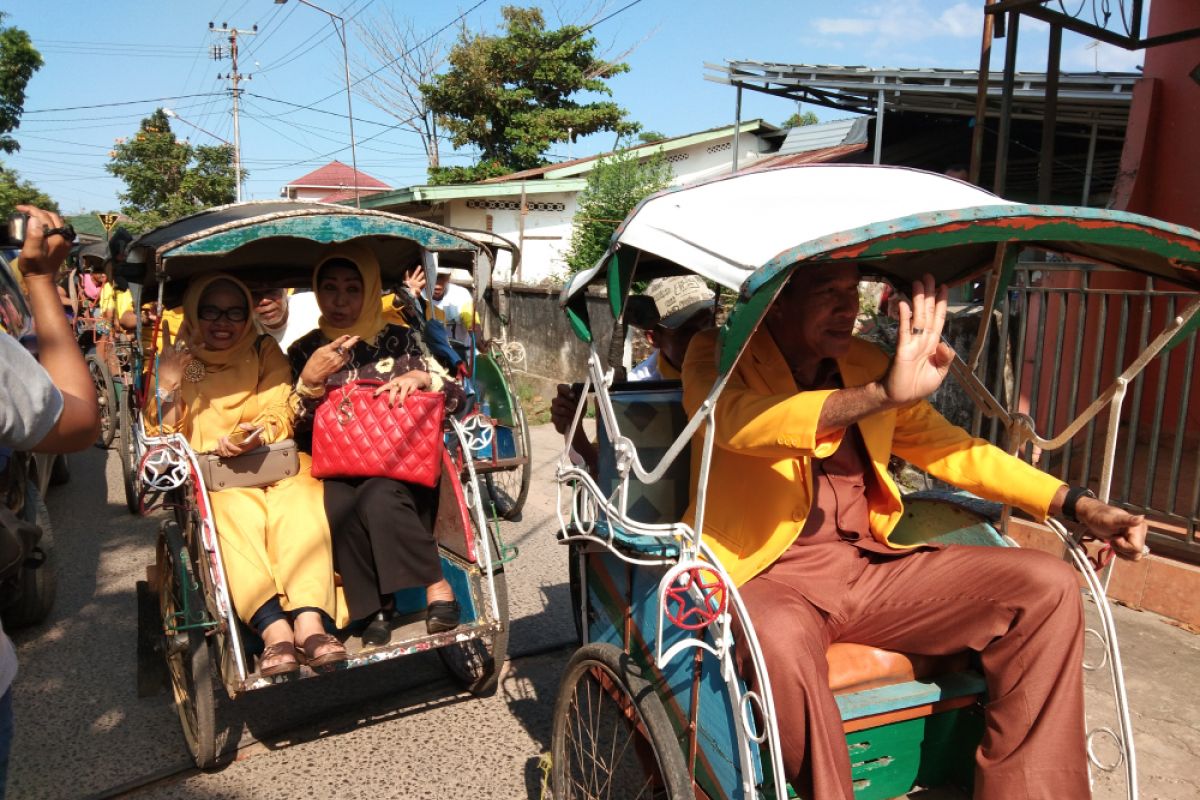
[382,538]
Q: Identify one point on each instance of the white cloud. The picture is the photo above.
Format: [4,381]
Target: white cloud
[907,20]
[854,27]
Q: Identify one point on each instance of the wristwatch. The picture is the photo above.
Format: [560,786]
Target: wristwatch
[1072,499]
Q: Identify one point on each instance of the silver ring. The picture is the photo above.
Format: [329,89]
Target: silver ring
[179,347]
[917,331]
[1145,550]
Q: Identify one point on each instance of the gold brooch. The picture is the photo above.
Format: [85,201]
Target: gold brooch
[194,371]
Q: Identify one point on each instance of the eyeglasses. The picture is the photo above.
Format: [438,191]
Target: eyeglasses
[214,313]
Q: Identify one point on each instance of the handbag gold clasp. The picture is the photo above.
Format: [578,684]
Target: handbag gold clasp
[345,410]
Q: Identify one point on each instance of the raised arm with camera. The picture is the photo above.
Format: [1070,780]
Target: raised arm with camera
[45,248]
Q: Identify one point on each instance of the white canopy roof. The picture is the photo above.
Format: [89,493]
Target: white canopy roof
[725,229]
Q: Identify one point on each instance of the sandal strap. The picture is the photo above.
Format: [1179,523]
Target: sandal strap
[317,640]
[279,649]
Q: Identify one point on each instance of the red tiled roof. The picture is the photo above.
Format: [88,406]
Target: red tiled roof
[337,175]
[821,156]
[348,194]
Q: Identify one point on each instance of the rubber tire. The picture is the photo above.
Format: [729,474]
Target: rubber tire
[188,664]
[129,461]
[106,396]
[38,583]
[60,473]
[655,734]
[507,506]
[474,664]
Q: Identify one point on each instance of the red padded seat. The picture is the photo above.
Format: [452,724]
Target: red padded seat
[854,667]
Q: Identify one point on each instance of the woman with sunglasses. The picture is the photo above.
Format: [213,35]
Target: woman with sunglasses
[227,390]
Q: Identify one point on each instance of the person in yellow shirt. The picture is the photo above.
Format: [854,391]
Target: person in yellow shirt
[800,507]
[116,306]
[228,390]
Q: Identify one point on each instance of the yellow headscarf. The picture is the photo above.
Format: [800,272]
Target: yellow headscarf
[370,319]
[241,383]
[214,360]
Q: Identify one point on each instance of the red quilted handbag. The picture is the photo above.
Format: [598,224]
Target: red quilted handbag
[356,435]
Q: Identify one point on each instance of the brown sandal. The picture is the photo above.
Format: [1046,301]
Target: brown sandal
[318,640]
[280,668]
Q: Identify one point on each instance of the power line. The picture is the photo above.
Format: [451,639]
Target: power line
[121,103]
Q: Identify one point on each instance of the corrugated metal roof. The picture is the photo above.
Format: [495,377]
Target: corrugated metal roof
[824,155]
[336,175]
[804,138]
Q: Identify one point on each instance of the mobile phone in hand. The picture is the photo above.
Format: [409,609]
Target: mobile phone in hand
[240,437]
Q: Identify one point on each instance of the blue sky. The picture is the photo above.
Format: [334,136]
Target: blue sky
[135,50]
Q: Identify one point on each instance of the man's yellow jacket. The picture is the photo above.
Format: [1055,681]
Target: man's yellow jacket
[760,483]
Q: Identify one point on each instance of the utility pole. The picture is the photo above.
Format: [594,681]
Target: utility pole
[235,77]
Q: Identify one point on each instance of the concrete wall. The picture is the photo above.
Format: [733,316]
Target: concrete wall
[553,353]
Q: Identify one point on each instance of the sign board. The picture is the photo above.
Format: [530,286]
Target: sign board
[109,221]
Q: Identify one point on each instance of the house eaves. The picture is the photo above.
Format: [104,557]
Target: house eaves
[470,191]
[664,146]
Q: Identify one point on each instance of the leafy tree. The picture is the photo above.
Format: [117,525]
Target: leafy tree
[796,120]
[18,61]
[166,178]
[513,95]
[650,137]
[15,191]
[618,183]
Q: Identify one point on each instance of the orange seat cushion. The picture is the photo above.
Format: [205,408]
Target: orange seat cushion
[854,667]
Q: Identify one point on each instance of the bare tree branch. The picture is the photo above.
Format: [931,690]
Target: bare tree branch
[396,89]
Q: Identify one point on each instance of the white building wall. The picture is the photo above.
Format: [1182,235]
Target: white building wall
[547,234]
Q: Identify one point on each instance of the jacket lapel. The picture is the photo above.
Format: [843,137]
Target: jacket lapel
[769,365]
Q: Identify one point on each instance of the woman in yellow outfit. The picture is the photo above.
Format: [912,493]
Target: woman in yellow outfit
[227,390]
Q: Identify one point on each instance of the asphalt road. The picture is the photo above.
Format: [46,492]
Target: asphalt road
[396,730]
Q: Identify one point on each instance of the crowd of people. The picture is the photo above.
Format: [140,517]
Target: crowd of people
[806,426]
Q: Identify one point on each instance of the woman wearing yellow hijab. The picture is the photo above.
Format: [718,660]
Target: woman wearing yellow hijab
[227,390]
[382,528]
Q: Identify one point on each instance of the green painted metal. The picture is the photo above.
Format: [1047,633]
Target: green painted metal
[895,696]
[744,318]
[579,322]
[318,228]
[1074,229]
[938,750]
[943,523]
[491,386]
[1189,327]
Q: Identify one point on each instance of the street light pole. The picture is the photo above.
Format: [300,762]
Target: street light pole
[334,19]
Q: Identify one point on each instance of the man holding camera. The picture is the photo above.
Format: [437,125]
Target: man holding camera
[49,408]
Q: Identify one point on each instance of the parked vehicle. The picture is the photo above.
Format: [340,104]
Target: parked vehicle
[652,704]
[186,613]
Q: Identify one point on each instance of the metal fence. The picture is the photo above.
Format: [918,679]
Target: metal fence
[1069,330]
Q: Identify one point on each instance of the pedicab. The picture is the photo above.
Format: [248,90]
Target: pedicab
[497,432]
[27,578]
[185,610]
[652,704]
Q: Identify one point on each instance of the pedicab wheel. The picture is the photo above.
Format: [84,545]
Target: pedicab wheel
[476,664]
[612,737]
[106,397]
[129,457]
[36,585]
[60,473]
[186,648]
[509,488]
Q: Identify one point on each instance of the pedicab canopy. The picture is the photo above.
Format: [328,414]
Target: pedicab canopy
[750,231]
[278,242]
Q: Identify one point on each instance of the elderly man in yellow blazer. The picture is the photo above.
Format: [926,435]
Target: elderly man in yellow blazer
[800,507]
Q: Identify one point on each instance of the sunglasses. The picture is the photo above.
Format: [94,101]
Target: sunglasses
[214,313]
